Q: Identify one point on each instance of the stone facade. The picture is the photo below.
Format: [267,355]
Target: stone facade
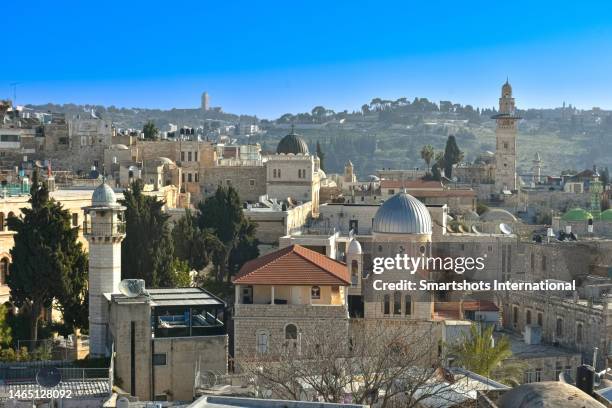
[505,151]
[249,181]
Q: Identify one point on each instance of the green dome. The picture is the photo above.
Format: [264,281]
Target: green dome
[606,215]
[577,214]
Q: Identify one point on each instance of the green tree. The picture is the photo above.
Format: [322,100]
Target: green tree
[147,251]
[195,246]
[427,154]
[452,156]
[150,130]
[48,261]
[6,334]
[222,213]
[478,352]
[321,156]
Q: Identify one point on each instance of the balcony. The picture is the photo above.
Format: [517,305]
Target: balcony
[187,321]
[103,229]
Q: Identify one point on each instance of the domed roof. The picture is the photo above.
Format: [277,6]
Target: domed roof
[103,195]
[165,160]
[547,394]
[577,214]
[354,247]
[292,144]
[402,214]
[498,214]
[606,215]
[322,174]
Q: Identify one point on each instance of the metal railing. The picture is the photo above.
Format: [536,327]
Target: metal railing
[103,228]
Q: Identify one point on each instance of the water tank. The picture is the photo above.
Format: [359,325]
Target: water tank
[123,402]
[585,376]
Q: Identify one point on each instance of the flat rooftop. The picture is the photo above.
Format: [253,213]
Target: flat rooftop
[522,350]
[174,297]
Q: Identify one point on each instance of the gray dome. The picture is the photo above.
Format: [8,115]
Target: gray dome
[548,394]
[402,214]
[292,144]
[103,195]
[354,247]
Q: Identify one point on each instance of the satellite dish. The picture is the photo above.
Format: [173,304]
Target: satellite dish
[505,229]
[474,230]
[133,287]
[48,377]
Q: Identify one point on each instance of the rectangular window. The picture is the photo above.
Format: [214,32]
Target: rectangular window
[408,305]
[538,375]
[543,263]
[183,177]
[182,156]
[262,342]
[188,156]
[159,359]
[195,156]
[391,192]
[196,177]
[251,182]
[75,219]
[189,177]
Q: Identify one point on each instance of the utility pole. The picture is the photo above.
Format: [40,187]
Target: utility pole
[14,85]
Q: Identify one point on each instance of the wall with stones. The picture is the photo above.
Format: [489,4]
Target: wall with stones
[249,181]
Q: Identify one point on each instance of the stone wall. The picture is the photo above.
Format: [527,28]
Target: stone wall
[249,181]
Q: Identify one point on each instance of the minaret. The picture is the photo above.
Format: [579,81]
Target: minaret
[537,168]
[349,174]
[104,229]
[505,133]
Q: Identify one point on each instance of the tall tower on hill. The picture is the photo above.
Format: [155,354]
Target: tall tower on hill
[104,230]
[205,101]
[505,133]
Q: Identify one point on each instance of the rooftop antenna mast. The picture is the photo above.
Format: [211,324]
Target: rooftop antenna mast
[14,85]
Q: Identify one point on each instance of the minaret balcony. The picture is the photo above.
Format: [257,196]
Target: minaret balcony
[104,229]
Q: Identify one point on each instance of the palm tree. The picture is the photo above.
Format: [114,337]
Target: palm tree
[427,154]
[478,352]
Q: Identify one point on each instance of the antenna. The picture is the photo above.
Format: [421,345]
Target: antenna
[14,85]
[505,228]
[133,288]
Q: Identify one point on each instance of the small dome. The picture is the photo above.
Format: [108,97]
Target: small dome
[577,214]
[322,174]
[606,215]
[103,195]
[499,215]
[292,144]
[165,160]
[354,247]
[402,214]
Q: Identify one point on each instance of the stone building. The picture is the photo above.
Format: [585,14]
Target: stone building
[284,294]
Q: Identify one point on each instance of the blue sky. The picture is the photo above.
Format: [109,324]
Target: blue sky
[272,57]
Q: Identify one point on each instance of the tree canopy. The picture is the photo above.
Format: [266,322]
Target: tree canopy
[452,156]
[47,261]
[147,252]
[150,130]
[222,214]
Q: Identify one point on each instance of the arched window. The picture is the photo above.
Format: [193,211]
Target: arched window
[291,332]
[397,303]
[407,305]
[579,333]
[540,319]
[4,270]
[315,292]
[528,317]
[274,173]
[262,341]
[559,328]
[386,304]
[354,270]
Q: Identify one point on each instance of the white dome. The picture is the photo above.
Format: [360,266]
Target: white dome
[402,214]
[354,247]
[103,195]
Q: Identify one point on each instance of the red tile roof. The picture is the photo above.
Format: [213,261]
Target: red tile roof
[293,265]
[450,310]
